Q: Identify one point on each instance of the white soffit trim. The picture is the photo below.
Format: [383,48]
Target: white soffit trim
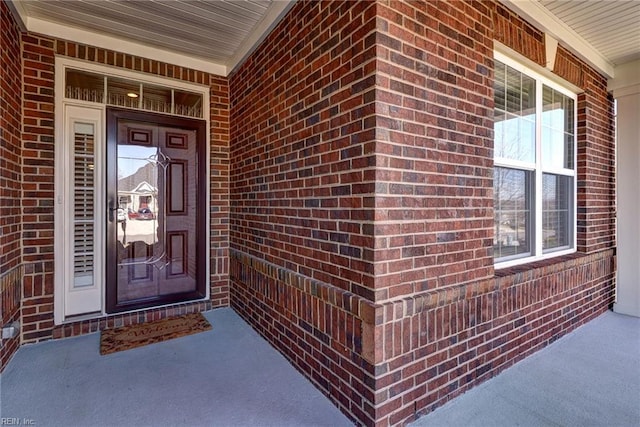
[274,14]
[546,21]
[106,42]
[627,80]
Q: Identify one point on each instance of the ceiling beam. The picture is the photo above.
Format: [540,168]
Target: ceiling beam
[543,19]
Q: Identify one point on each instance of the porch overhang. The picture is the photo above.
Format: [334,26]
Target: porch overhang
[222,67]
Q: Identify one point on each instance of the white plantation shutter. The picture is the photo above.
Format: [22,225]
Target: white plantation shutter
[83,204]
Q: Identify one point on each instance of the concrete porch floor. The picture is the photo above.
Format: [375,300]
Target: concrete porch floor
[590,377]
[230,376]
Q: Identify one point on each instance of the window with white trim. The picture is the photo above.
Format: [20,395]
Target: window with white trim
[534,166]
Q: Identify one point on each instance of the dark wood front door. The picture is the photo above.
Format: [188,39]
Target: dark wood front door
[156,210]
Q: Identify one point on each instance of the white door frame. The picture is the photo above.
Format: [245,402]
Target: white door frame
[73,304]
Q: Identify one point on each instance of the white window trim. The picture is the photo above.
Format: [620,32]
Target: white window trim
[538,253]
[62,180]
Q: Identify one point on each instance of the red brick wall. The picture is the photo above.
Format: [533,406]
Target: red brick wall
[430,316]
[438,345]
[38,168]
[472,322]
[38,139]
[303,146]
[302,194]
[352,192]
[434,219]
[596,163]
[10,177]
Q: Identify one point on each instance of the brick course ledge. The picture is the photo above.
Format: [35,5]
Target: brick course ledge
[324,331]
[534,265]
[433,346]
[10,296]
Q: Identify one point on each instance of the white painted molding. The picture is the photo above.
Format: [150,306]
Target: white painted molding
[274,14]
[551,49]
[546,21]
[627,79]
[19,13]
[106,42]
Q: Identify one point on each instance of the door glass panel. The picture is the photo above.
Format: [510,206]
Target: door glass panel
[83,204]
[156,212]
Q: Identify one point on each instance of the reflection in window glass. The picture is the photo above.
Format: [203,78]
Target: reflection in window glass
[527,140]
[557,193]
[138,183]
[514,137]
[514,123]
[557,129]
[512,189]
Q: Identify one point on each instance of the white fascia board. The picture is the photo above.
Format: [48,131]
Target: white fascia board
[19,13]
[546,21]
[277,10]
[107,42]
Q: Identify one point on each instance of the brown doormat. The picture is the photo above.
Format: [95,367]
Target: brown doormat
[132,336]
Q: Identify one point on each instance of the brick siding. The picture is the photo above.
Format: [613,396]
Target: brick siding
[10,178]
[303,156]
[38,173]
[124,319]
[439,344]
[437,318]
[434,200]
[352,200]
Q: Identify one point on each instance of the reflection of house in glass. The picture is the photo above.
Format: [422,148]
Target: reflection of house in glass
[139,191]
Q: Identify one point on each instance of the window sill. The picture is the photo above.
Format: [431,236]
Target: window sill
[520,268]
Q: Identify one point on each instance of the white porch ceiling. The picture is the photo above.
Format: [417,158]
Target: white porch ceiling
[612,27]
[215,35]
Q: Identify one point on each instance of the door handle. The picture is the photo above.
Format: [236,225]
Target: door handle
[111,209]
